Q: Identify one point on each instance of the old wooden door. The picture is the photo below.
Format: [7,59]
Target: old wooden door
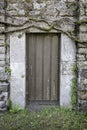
[42,70]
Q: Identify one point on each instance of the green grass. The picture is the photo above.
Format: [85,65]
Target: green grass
[46,119]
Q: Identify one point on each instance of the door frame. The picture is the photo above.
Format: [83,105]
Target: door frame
[18,69]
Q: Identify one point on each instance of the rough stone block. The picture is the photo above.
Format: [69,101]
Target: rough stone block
[82,50]
[3,76]
[3,105]
[4,87]
[82,105]
[82,87]
[81,57]
[83,28]
[81,45]
[17,64]
[2,17]
[65,91]
[2,63]
[2,39]
[82,95]
[2,57]
[5,95]
[68,49]
[67,27]
[83,37]
[1,4]
[83,73]
[2,69]
[82,65]
[2,97]
[85,81]
[83,1]
[2,29]
[2,50]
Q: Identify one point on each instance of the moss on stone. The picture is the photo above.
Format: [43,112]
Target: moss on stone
[74,88]
[27,1]
[84,21]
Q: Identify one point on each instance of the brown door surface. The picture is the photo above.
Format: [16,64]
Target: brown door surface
[42,72]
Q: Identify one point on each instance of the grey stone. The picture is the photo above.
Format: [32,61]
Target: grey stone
[82,88]
[2,50]
[2,63]
[83,28]
[82,95]
[2,105]
[2,97]
[82,65]
[5,95]
[81,57]
[1,4]
[17,63]
[4,87]
[67,68]
[85,81]
[2,17]
[83,37]
[68,57]
[2,69]
[2,39]
[82,105]
[3,75]
[68,49]
[83,73]
[81,45]
[2,57]
[82,50]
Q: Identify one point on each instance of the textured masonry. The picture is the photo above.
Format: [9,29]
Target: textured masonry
[60,16]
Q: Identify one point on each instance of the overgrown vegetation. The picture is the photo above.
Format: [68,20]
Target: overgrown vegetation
[8,70]
[74,88]
[46,119]
[74,93]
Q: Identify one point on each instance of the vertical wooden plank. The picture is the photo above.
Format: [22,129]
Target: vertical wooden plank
[50,65]
[39,67]
[32,41]
[46,67]
[35,65]
[30,64]
[43,69]
[54,69]
[27,67]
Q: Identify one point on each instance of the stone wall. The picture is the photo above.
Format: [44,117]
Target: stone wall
[41,14]
[62,16]
[4,82]
[82,58]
